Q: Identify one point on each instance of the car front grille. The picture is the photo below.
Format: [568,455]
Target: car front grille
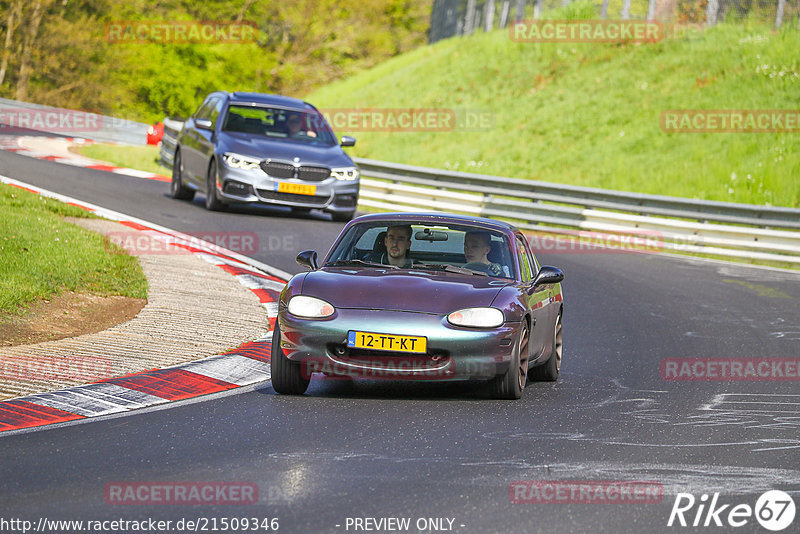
[277,169]
[308,200]
[313,174]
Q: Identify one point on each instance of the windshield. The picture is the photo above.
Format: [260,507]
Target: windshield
[411,245]
[278,123]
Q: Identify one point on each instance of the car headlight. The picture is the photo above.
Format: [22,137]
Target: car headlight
[345,173]
[311,307]
[477,317]
[237,161]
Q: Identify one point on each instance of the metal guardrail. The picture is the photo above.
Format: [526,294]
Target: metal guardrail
[676,224]
[102,128]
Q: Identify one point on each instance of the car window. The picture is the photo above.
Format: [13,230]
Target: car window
[430,244]
[204,111]
[524,260]
[214,111]
[279,124]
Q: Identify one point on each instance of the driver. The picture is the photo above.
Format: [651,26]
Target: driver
[477,246]
[295,125]
[397,241]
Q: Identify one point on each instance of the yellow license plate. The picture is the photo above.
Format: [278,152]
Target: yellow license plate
[374,341]
[297,189]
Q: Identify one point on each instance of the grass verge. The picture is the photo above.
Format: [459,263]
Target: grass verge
[589,114]
[143,158]
[42,255]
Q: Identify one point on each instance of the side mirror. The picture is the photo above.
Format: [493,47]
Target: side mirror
[348,141]
[203,124]
[308,259]
[548,275]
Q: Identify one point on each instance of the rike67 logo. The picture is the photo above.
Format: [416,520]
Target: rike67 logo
[774,510]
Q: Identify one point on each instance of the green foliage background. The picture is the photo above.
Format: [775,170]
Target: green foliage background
[301,45]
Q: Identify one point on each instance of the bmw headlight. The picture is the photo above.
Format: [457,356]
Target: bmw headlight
[237,161]
[345,173]
[310,307]
[477,317]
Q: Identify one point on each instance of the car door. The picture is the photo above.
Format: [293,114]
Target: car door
[535,298]
[551,295]
[206,140]
[193,160]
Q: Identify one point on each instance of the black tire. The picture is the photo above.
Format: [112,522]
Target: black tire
[511,384]
[339,216]
[177,189]
[287,376]
[548,372]
[213,203]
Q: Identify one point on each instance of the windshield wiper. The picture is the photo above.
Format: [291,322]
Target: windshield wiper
[447,267]
[360,262]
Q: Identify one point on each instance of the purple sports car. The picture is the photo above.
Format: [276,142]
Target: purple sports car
[421,296]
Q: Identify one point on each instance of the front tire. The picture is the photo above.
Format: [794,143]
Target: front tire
[287,376]
[177,189]
[511,384]
[213,203]
[549,371]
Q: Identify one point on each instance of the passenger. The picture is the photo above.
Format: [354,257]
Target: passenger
[477,246]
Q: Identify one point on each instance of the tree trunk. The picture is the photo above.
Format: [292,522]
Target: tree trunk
[489,16]
[779,14]
[519,11]
[626,10]
[711,12]
[469,21]
[14,13]
[31,32]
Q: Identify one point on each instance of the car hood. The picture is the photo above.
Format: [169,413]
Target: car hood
[285,150]
[413,291]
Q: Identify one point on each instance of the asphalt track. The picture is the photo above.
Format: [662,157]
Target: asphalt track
[392,449]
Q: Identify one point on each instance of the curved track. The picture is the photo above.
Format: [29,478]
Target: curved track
[374,449]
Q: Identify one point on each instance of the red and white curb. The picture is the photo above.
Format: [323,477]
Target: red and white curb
[245,365]
[16,145]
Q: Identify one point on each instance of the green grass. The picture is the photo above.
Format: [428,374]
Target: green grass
[588,114]
[42,255]
[143,158]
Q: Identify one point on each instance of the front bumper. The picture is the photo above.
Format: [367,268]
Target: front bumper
[255,186]
[453,353]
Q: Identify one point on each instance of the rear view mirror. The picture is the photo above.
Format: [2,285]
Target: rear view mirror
[203,124]
[348,141]
[431,235]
